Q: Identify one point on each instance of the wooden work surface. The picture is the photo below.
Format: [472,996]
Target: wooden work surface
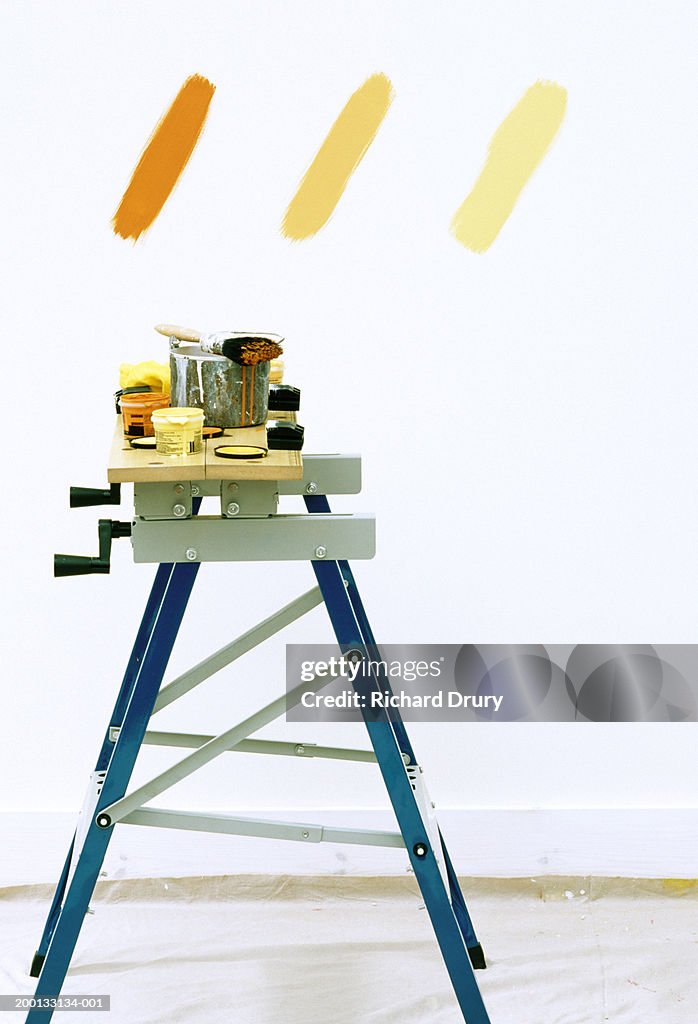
[128,465]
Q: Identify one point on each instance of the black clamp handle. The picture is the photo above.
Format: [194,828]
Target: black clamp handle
[82,565]
[81,497]
[282,435]
[284,398]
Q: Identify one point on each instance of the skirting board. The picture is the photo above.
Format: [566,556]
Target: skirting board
[630,843]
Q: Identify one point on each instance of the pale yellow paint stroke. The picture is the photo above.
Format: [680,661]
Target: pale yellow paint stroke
[516,149]
[348,139]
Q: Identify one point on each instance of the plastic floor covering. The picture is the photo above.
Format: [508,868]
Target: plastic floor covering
[326,950]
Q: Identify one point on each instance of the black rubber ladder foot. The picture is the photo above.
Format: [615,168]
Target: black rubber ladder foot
[37,964]
[477,957]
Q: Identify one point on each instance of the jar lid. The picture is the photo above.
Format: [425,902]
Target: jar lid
[129,391]
[179,415]
[240,451]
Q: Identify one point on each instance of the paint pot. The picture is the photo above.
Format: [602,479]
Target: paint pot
[178,431]
[137,410]
[230,395]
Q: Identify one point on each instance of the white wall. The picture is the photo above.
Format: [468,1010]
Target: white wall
[560,502]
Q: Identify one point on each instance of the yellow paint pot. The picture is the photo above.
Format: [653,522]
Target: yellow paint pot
[178,431]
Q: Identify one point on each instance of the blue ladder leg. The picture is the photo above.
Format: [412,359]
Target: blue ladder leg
[319,503]
[54,911]
[475,950]
[384,741]
[140,707]
[142,638]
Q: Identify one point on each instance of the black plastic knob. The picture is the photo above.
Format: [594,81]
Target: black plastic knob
[82,497]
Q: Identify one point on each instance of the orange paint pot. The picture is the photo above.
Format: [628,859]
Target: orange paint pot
[137,411]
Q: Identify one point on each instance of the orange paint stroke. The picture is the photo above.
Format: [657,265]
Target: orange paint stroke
[164,158]
[324,182]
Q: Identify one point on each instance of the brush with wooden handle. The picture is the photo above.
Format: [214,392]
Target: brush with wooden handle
[242,348]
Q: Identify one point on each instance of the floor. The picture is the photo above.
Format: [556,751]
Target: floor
[342,949]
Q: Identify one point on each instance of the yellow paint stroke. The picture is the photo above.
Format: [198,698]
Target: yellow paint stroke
[164,158]
[349,137]
[516,149]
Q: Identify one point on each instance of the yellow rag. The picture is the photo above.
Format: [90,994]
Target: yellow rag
[157,375]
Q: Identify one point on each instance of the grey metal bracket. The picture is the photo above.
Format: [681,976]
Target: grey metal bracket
[425,805]
[274,538]
[242,499]
[205,488]
[322,474]
[163,500]
[326,474]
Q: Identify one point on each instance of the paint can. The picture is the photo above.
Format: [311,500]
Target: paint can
[230,395]
[178,431]
[137,409]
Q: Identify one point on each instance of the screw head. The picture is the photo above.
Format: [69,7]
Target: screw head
[233,508]
[320,551]
[305,834]
[311,488]
[179,488]
[196,491]
[300,749]
[179,511]
[103,820]
[419,850]
[191,554]
[232,486]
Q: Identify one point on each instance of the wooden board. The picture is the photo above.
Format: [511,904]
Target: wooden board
[276,465]
[128,465]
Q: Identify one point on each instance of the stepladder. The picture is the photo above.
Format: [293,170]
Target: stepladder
[168,528]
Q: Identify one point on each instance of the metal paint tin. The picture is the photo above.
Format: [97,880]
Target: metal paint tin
[230,395]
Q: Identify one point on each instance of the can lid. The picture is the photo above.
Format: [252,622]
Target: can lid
[184,416]
[129,391]
[240,451]
[138,399]
[209,432]
[142,442]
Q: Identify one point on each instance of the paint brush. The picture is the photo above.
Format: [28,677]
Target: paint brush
[243,348]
